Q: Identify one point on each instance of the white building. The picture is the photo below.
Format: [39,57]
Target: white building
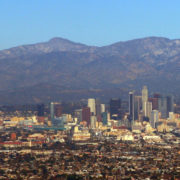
[103,108]
[92,106]
[144,99]
[93,122]
[154,118]
[148,109]
[171,115]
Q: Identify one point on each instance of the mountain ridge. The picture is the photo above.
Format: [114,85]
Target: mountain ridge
[75,66]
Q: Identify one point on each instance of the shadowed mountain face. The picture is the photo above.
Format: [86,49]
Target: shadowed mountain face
[64,70]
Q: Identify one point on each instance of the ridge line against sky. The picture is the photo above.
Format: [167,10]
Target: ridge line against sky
[71,41]
[90,22]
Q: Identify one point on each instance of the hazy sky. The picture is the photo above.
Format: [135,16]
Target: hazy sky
[93,22]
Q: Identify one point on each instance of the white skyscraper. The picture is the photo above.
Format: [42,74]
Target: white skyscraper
[148,109]
[103,108]
[93,121]
[92,105]
[144,99]
[154,118]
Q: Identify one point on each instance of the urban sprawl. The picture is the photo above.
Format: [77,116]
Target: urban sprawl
[134,139]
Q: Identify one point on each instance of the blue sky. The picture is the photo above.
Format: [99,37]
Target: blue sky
[93,22]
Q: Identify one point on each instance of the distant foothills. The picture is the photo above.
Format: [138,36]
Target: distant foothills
[61,70]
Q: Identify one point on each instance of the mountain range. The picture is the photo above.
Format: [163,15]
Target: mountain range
[62,70]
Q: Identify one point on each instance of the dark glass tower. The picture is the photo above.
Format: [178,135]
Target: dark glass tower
[137,106]
[170,103]
[104,118]
[115,108]
[166,105]
[58,110]
[40,109]
[131,106]
[86,115]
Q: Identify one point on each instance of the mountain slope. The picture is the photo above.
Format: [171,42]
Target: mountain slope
[53,45]
[60,65]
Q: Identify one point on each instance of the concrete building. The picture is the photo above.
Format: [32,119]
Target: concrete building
[103,108]
[170,103]
[154,103]
[52,111]
[78,114]
[55,110]
[92,106]
[162,106]
[148,109]
[154,118]
[144,99]
[131,107]
[93,122]
[166,105]
[98,107]
[137,106]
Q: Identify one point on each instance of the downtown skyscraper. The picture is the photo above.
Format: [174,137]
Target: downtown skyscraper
[144,99]
[92,106]
[131,107]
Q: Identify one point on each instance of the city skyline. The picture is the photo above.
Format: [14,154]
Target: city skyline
[90,90]
[97,140]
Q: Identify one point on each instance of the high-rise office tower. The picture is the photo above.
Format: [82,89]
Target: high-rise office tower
[131,106]
[154,103]
[170,103]
[58,110]
[105,118]
[148,109]
[78,114]
[55,110]
[92,106]
[40,109]
[98,107]
[166,105]
[144,94]
[52,111]
[154,118]
[137,106]
[144,99]
[93,122]
[162,106]
[103,108]
[86,115]
[115,108]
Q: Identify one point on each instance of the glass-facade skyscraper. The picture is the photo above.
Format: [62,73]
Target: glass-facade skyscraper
[131,106]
